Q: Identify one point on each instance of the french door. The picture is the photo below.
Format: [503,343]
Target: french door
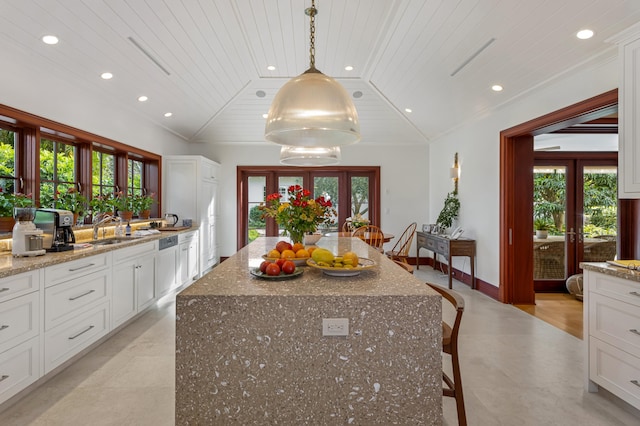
[577,199]
[352,190]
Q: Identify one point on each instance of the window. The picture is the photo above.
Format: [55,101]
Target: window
[57,170]
[134,178]
[7,160]
[103,173]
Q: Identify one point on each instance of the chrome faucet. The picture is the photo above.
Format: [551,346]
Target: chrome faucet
[102,221]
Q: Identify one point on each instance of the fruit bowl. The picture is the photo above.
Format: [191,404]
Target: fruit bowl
[298,261]
[363,265]
[256,272]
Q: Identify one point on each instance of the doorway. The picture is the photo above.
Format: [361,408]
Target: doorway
[574,214]
[516,180]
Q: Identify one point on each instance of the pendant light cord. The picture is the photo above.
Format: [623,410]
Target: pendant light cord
[311,12]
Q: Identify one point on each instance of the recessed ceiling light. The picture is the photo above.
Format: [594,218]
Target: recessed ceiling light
[168,114]
[408,110]
[106,76]
[271,68]
[50,39]
[584,34]
[497,88]
[261,93]
[348,68]
[357,94]
[265,115]
[143,98]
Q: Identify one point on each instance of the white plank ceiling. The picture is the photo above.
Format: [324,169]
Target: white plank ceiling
[207,60]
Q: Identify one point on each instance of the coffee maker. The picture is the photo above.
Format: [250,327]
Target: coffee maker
[26,239]
[56,225]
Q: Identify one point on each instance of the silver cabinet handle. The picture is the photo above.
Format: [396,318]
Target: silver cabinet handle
[634,331]
[2,327]
[635,382]
[82,295]
[81,267]
[634,293]
[4,289]
[81,333]
[4,377]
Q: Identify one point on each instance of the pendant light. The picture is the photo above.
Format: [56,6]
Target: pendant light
[309,156]
[312,109]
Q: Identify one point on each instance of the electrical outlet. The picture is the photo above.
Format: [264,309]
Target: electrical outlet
[335,326]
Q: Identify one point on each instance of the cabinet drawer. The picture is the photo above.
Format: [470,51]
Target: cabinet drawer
[443,248]
[63,301]
[431,245]
[19,320]
[70,337]
[76,268]
[615,370]
[19,367]
[615,322]
[421,241]
[125,254]
[20,284]
[618,288]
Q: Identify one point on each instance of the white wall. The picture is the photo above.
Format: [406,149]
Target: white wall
[403,169]
[478,145]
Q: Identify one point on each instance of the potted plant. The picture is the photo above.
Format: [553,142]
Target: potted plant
[101,204]
[8,201]
[450,210]
[73,201]
[143,205]
[541,227]
[124,205]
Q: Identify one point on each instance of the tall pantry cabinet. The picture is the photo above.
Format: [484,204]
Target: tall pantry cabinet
[191,192]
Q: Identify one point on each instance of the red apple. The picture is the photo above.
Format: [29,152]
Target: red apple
[283,245]
[263,266]
[288,267]
[273,269]
[280,262]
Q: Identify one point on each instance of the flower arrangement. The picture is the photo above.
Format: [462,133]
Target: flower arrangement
[72,200]
[9,200]
[357,221]
[300,213]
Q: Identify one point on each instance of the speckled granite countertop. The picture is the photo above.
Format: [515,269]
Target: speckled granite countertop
[10,265]
[252,351]
[612,270]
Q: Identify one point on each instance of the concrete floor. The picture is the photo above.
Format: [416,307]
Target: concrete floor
[516,369]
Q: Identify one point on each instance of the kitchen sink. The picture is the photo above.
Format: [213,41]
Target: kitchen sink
[114,240]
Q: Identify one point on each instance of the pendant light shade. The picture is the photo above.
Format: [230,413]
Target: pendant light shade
[309,156]
[312,109]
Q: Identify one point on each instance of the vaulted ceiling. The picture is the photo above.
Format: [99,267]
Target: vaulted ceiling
[205,61]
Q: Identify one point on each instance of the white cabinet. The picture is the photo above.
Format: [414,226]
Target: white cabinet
[20,330]
[188,254]
[77,300]
[612,335]
[191,191]
[629,113]
[133,288]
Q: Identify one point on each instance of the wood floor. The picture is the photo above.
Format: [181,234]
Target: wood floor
[558,309]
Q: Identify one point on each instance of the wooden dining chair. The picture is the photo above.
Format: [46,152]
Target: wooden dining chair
[371,235]
[400,250]
[453,387]
[403,265]
[346,226]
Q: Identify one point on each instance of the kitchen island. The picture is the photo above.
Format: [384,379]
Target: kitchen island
[252,351]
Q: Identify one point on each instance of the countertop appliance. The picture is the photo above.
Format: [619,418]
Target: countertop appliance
[57,227]
[26,238]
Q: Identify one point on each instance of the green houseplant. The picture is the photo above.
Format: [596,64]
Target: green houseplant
[449,211]
[143,204]
[72,200]
[9,200]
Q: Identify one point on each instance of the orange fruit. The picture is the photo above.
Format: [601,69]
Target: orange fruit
[302,253]
[288,254]
[310,250]
[297,247]
[273,254]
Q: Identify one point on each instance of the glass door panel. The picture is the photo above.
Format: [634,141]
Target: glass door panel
[327,186]
[549,219]
[600,213]
[257,193]
[284,182]
[360,197]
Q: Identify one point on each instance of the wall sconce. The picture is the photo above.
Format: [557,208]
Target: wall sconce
[454,173]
